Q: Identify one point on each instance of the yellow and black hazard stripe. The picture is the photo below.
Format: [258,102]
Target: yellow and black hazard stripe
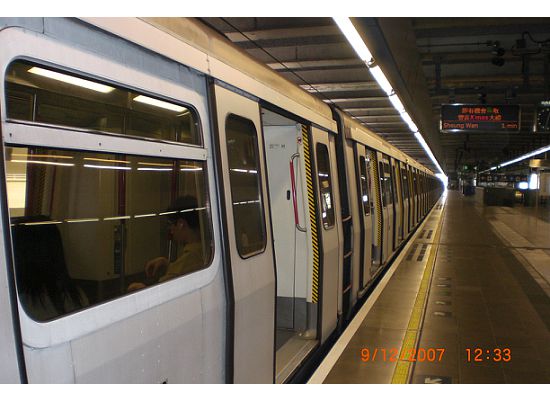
[312,214]
[376,184]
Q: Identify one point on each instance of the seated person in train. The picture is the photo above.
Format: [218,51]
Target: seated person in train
[184,229]
[44,285]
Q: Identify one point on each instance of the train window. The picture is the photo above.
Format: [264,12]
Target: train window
[48,96]
[395,175]
[404,184]
[88,227]
[325,185]
[246,192]
[364,185]
[388,184]
[383,183]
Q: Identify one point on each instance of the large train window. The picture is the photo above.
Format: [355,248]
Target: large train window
[325,185]
[88,227]
[246,192]
[364,185]
[48,96]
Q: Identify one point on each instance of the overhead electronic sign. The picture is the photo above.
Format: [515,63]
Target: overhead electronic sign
[471,118]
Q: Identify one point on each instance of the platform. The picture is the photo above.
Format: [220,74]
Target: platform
[467,301]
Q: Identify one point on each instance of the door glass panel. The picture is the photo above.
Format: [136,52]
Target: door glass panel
[364,185]
[325,186]
[245,181]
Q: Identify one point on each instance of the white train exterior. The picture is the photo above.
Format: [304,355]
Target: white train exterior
[298,207]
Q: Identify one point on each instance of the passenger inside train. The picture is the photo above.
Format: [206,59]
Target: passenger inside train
[184,228]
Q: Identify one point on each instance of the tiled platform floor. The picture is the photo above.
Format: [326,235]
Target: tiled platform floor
[487,291]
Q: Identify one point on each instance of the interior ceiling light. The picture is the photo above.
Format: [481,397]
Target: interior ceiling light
[72,80]
[159,103]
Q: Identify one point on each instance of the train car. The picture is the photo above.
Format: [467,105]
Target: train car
[175,212]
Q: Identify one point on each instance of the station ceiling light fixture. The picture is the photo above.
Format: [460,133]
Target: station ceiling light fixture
[520,158]
[355,40]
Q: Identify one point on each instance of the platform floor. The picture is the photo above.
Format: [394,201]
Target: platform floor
[473,277]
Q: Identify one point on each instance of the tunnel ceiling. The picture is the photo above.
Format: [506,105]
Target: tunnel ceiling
[449,60]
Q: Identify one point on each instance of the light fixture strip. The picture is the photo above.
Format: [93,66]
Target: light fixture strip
[428,150]
[72,80]
[349,31]
[159,103]
[355,40]
[520,158]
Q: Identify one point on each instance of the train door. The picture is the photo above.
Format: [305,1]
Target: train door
[331,240]
[406,200]
[366,207]
[397,203]
[387,206]
[251,269]
[296,313]
[416,197]
[426,194]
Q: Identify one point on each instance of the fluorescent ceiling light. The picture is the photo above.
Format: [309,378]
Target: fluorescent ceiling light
[381,79]
[43,163]
[355,40]
[107,167]
[349,31]
[82,220]
[192,169]
[106,160]
[72,80]
[428,151]
[154,169]
[159,103]
[407,118]
[527,155]
[116,218]
[396,102]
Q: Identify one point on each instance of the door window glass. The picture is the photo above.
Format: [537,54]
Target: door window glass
[245,181]
[364,185]
[325,186]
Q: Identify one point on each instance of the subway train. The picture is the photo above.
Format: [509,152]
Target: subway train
[175,212]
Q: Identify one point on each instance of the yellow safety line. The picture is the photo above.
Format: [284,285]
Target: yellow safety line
[312,216]
[402,369]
